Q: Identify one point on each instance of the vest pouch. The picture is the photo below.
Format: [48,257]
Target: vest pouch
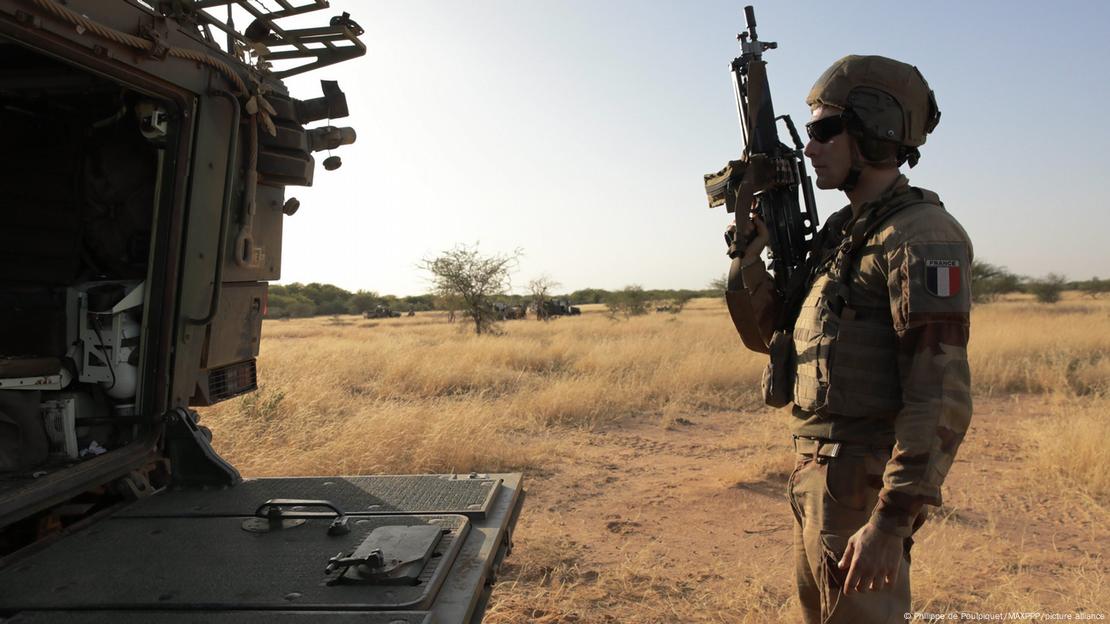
[778,376]
[863,372]
[813,344]
[814,333]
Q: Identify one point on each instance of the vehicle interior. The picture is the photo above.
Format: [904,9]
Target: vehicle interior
[79,182]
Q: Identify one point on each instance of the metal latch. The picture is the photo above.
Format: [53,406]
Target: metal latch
[374,560]
[389,555]
[285,513]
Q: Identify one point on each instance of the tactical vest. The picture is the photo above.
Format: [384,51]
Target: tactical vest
[847,357]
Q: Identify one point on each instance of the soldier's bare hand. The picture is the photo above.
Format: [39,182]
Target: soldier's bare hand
[872,559]
[759,240]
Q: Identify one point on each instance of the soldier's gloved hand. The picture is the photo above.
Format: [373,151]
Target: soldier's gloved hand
[873,559]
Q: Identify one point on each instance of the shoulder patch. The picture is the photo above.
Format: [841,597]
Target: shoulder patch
[935,283]
[942,276]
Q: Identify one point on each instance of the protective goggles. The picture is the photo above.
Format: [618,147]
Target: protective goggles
[823,130]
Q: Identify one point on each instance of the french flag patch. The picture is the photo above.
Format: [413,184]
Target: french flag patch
[942,277]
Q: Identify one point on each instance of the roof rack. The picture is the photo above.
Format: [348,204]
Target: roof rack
[326,45]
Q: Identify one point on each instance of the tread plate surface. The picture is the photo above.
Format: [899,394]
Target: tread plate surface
[364,495]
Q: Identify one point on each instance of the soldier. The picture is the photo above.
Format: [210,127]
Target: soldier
[876,364]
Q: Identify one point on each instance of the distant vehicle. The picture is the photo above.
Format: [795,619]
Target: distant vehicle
[382,312]
[144,200]
[508,312]
[557,307]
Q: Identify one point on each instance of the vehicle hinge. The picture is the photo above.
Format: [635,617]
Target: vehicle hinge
[193,461]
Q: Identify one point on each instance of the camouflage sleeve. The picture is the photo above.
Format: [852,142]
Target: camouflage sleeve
[930,298]
[753,303]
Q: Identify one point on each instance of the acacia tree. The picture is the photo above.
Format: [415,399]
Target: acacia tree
[540,288]
[989,281]
[473,279]
[719,284]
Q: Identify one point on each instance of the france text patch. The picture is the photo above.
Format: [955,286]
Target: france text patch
[942,277]
[934,284]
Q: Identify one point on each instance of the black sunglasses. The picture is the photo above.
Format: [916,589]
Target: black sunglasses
[823,130]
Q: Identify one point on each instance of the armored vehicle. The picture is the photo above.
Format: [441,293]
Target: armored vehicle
[508,312]
[381,312]
[148,146]
[557,307]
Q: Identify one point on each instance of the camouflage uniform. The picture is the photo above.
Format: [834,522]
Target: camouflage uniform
[882,388]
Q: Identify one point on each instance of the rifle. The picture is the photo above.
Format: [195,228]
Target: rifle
[768,171]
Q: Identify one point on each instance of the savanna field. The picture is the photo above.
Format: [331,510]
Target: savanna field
[656,479]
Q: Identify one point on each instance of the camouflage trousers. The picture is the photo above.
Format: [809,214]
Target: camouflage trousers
[832,497]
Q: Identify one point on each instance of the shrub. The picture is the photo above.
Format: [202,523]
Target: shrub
[989,281]
[1048,289]
[629,301]
[1094,287]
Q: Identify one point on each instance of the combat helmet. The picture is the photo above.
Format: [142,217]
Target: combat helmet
[888,106]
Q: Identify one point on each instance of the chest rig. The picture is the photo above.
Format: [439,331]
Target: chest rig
[830,353]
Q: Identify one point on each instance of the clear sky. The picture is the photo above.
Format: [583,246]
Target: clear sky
[579,131]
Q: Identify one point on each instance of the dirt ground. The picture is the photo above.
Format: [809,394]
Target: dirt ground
[687,520]
[656,478]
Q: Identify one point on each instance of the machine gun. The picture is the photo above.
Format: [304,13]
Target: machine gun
[768,172]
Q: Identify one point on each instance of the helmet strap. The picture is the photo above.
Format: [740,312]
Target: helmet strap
[851,179]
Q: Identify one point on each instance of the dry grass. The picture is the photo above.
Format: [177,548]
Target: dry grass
[418,394]
[1018,346]
[1070,446]
[352,388]
[1024,516]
